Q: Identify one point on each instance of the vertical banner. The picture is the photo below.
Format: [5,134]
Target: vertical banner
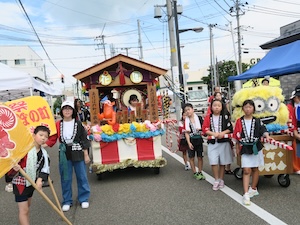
[144,115]
[125,116]
[132,116]
[119,117]
[152,100]
[94,105]
[139,110]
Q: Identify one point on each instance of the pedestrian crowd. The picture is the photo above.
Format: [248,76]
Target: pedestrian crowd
[246,135]
[216,126]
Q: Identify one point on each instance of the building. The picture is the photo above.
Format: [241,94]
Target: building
[194,80]
[288,33]
[23,58]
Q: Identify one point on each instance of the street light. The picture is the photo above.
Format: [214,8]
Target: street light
[197,30]
[177,31]
[177,78]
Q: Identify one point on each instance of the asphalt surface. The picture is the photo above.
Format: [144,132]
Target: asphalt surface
[138,196]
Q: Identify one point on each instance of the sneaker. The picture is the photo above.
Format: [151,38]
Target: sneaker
[252,192]
[202,176]
[9,187]
[246,199]
[187,167]
[221,184]
[65,208]
[215,186]
[85,205]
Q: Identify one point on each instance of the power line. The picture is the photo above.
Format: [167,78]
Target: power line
[38,36]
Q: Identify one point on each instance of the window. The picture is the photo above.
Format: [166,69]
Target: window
[19,61]
[200,88]
[4,61]
[190,88]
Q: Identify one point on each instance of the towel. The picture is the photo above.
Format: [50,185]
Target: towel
[31,164]
[196,126]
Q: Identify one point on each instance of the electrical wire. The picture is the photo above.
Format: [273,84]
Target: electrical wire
[50,60]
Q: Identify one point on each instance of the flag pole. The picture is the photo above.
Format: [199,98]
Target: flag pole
[45,196]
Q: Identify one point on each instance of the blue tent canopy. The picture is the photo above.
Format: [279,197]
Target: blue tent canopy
[282,60]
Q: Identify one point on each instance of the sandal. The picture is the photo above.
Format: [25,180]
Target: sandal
[228,172]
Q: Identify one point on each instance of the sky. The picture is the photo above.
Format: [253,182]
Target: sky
[70,30]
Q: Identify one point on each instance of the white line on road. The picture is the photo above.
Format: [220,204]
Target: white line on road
[260,212]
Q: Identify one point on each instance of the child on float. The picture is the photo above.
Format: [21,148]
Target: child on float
[247,133]
[183,145]
[193,125]
[219,152]
[36,165]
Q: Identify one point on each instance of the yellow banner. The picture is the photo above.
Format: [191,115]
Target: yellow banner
[33,111]
[15,139]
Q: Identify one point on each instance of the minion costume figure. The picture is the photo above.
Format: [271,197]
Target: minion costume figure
[269,106]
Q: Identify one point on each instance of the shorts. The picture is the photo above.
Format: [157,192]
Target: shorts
[197,149]
[183,145]
[27,193]
[219,153]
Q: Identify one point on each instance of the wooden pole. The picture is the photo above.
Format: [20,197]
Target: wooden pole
[54,193]
[45,197]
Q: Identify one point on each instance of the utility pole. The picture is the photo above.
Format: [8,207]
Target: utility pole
[238,84]
[140,41]
[174,62]
[126,49]
[101,37]
[112,50]
[181,82]
[237,9]
[212,57]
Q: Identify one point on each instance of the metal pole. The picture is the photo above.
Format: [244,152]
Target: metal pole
[173,54]
[140,41]
[182,89]
[238,84]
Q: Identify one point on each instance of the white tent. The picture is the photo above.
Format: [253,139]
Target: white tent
[16,84]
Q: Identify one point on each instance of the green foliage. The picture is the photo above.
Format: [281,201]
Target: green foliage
[57,104]
[224,70]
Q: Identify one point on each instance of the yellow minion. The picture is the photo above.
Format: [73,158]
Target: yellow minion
[269,106]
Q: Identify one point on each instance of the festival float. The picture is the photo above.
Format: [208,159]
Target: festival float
[274,114]
[122,135]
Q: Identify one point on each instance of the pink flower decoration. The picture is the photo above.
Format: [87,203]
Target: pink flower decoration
[97,137]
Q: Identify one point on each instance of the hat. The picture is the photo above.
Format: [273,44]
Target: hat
[69,103]
[297,90]
[293,95]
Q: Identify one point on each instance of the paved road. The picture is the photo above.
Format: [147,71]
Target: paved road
[138,197]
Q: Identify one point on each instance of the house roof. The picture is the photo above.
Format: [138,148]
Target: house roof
[282,40]
[113,63]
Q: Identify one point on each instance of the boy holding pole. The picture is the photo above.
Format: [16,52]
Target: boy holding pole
[36,164]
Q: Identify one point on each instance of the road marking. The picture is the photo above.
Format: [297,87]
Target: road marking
[260,212]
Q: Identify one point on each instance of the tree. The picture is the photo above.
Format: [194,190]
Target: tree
[224,70]
[57,104]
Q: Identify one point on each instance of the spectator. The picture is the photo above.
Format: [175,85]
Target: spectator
[292,116]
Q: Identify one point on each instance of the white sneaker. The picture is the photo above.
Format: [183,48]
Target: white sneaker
[9,187]
[246,199]
[252,192]
[187,167]
[85,205]
[66,208]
